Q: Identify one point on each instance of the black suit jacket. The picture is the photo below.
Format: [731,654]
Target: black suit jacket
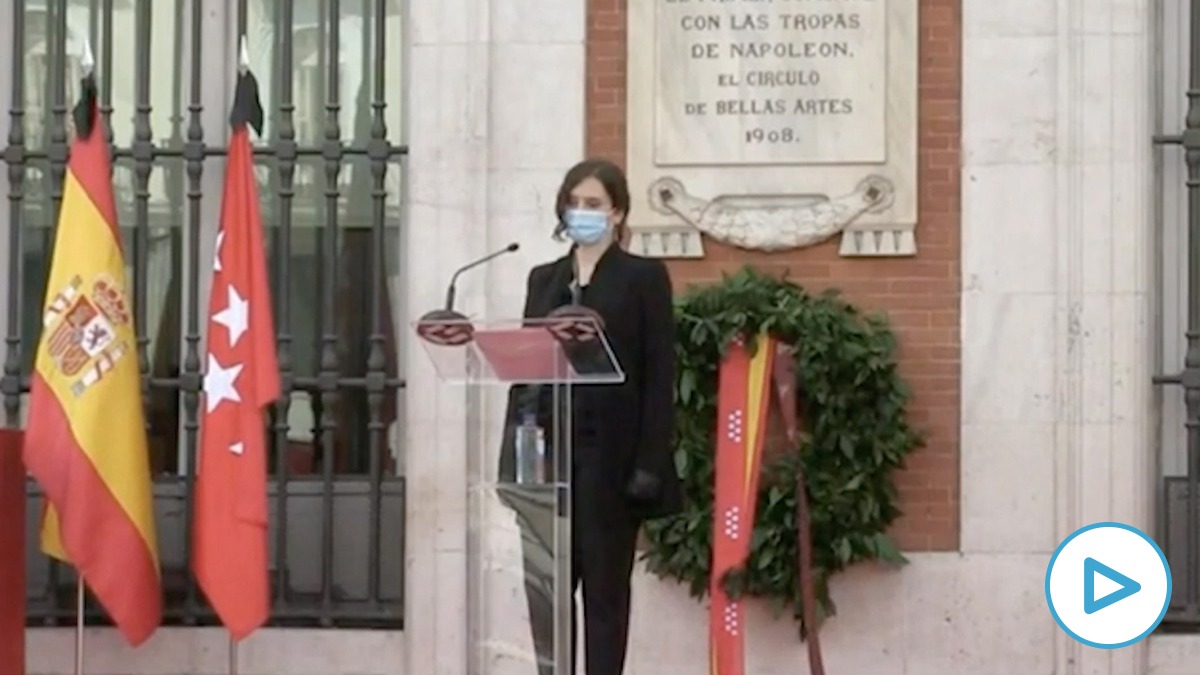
[630,425]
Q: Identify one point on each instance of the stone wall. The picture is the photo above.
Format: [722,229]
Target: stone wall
[1026,320]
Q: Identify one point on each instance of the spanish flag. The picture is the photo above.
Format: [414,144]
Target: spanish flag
[85,440]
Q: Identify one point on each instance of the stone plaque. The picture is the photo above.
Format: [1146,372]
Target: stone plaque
[772,124]
[762,82]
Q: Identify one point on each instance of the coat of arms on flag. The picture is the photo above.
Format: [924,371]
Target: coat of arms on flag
[84,329]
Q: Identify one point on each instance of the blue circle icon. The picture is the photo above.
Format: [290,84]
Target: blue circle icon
[1108,585]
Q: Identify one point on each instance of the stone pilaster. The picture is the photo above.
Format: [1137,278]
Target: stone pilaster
[1058,235]
[495,116]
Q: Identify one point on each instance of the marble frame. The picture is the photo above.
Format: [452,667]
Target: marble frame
[886,231]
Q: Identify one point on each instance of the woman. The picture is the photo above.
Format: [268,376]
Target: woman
[622,469]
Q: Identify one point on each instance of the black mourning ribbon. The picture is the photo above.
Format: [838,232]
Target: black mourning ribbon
[84,113]
[247,108]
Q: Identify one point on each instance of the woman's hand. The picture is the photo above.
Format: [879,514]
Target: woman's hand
[643,486]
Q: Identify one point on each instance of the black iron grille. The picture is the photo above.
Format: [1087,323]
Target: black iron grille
[329,165]
[1179,496]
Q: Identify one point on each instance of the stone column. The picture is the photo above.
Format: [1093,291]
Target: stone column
[1058,231]
[495,115]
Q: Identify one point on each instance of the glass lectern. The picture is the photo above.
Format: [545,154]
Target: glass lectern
[519,596]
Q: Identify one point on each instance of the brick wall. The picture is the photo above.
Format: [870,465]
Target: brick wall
[921,294]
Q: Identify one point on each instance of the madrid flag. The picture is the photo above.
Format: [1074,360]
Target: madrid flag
[241,378]
[85,441]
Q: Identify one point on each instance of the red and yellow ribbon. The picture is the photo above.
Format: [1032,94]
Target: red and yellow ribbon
[743,399]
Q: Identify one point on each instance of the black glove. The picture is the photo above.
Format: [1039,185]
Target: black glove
[643,486]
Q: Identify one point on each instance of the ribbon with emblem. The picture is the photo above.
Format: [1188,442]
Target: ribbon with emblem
[743,398]
[745,380]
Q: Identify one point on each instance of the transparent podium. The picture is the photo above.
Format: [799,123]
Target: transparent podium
[519,595]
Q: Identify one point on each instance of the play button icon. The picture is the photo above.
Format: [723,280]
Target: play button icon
[1108,585]
[1093,568]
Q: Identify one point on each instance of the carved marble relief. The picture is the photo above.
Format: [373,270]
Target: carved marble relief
[771,222]
[772,125]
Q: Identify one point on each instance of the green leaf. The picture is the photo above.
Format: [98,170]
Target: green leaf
[887,550]
[854,407]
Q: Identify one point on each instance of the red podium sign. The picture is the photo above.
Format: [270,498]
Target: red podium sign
[12,554]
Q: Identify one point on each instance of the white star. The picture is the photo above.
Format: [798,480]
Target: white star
[234,316]
[217,251]
[219,383]
[237,448]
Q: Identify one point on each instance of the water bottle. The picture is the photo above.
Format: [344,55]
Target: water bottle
[531,451]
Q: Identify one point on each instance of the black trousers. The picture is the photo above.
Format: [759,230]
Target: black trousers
[602,555]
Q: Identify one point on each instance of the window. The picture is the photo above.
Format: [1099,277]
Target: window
[330,170]
[1179,229]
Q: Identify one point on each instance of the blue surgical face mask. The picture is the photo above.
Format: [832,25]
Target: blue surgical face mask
[585,226]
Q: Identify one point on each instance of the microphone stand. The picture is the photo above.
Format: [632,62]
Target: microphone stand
[447,326]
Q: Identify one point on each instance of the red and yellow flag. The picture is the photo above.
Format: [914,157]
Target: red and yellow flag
[85,441]
[743,399]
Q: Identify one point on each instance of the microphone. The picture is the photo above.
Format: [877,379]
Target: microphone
[451,289]
[576,288]
[445,326]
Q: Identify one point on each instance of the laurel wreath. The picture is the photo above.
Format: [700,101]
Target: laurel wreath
[852,405]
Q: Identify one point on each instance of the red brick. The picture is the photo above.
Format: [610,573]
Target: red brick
[921,294]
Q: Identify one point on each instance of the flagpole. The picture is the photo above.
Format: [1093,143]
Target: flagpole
[243,66]
[87,63]
[79,623]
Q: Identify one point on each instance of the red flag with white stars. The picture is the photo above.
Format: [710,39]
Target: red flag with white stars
[241,378]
